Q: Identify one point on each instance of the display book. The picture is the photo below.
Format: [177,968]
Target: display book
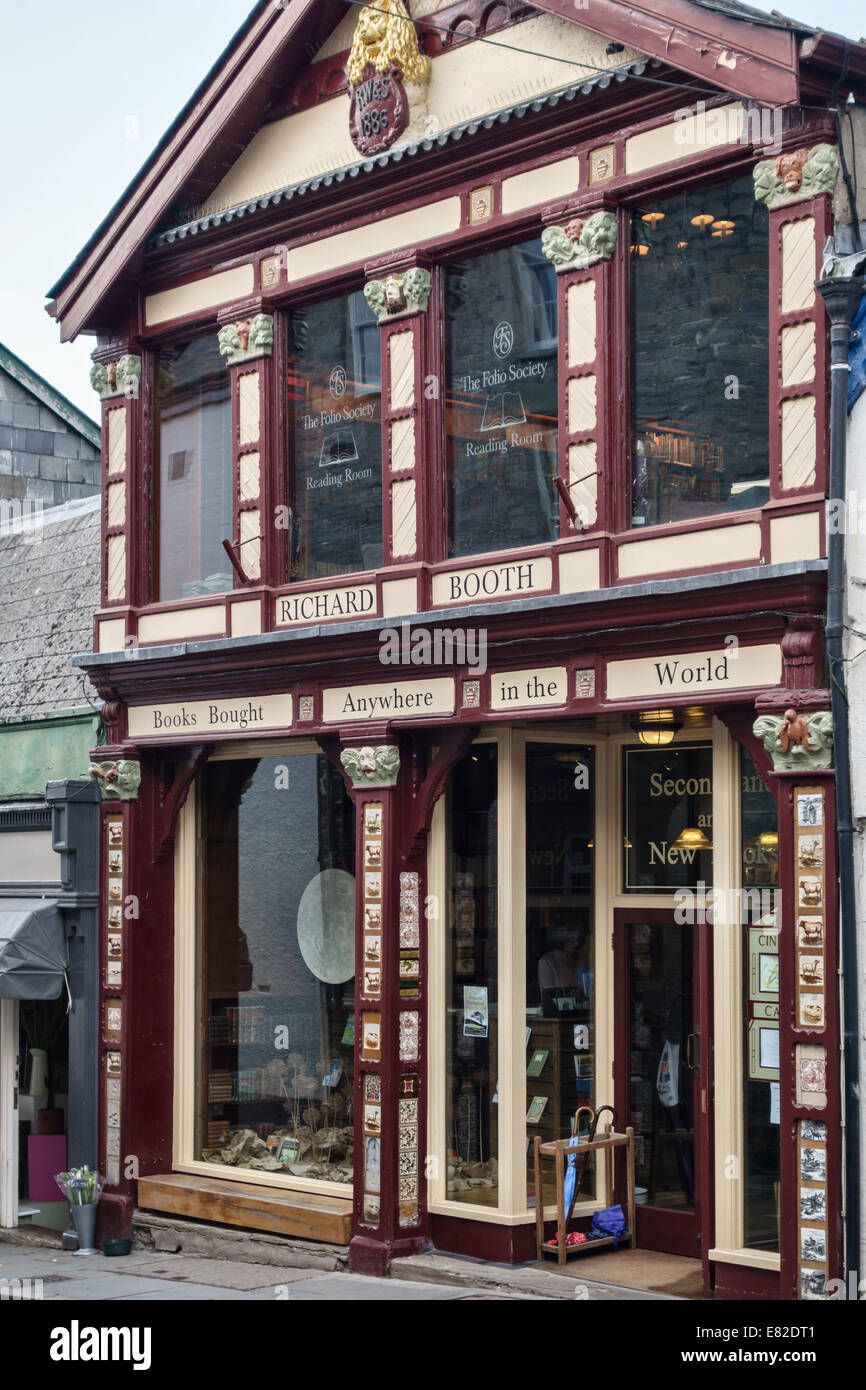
[559,1075]
[289,1112]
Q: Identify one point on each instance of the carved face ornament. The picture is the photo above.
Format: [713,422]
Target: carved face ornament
[574,229]
[789,168]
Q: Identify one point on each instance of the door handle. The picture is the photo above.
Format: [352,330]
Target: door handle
[693,1065]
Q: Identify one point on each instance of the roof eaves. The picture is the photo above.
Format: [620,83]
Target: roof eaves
[367,166]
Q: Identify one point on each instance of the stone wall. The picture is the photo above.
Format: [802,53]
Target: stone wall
[42,458]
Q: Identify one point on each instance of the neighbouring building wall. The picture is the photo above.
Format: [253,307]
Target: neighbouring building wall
[856,677]
[45,458]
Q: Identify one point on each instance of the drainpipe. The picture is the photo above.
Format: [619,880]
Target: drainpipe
[841,297]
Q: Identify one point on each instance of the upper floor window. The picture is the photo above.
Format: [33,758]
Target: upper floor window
[192,428]
[700,354]
[333,395]
[500,400]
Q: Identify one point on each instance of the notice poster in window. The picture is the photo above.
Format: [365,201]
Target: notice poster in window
[475,1018]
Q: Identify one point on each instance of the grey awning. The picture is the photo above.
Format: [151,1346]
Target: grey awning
[33,951]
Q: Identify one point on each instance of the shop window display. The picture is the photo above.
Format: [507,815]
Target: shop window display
[560,994]
[193,470]
[700,354]
[333,395]
[276,945]
[472,1096]
[669,818]
[761,1094]
[500,400]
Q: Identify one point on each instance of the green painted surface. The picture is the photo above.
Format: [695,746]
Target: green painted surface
[45,750]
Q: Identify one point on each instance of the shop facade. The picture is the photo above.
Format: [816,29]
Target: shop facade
[467,730]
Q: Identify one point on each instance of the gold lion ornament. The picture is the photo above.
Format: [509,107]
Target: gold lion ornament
[386,35]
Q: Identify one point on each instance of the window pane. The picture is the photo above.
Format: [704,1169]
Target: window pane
[700,334]
[333,392]
[277,951]
[560,995]
[669,818]
[194,470]
[501,400]
[761,1012]
[471,999]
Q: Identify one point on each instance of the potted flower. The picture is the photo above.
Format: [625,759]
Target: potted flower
[82,1187]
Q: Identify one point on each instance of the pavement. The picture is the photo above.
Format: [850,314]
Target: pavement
[148,1276]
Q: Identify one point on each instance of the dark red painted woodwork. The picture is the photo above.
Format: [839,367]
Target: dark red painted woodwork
[742,1282]
[481,1239]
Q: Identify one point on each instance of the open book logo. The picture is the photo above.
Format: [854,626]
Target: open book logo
[503,409]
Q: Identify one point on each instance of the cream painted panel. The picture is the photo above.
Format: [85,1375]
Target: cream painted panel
[798,353]
[175,625]
[581,404]
[530,689]
[556,180]
[116,504]
[206,293]
[467,82]
[112,635]
[26,856]
[401,349]
[240,715]
[578,571]
[374,239]
[681,139]
[399,596]
[514,579]
[584,493]
[248,408]
[798,265]
[249,480]
[691,673]
[250,548]
[115,586]
[246,618]
[799,442]
[403,521]
[581,323]
[690,550]
[117,439]
[795,538]
[391,699]
[403,444]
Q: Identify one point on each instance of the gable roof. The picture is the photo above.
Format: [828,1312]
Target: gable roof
[50,585]
[718,42]
[49,396]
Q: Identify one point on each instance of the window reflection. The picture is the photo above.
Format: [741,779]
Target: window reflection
[560,976]
[471,981]
[500,400]
[333,392]
[194,470]
[700,354]
[277,952]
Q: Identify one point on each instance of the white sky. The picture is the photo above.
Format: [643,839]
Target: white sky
[88,90]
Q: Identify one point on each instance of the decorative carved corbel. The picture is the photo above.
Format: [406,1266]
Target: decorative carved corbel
[581,242]
[372,767]
[797,742]
[119,780]
[119,377]
[247,338]
[397,295]
[795,175]
[172,798]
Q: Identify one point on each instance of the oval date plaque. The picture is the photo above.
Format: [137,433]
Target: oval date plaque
[379,110]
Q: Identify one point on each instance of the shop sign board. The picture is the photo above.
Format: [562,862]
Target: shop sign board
[388,700]
[513,580]
[190,718]
[324,605]
[528,689]
[730,667]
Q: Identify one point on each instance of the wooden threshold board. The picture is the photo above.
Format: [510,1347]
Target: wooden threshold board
[307,1215]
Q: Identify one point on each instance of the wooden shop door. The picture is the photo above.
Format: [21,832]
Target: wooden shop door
[662,1074]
